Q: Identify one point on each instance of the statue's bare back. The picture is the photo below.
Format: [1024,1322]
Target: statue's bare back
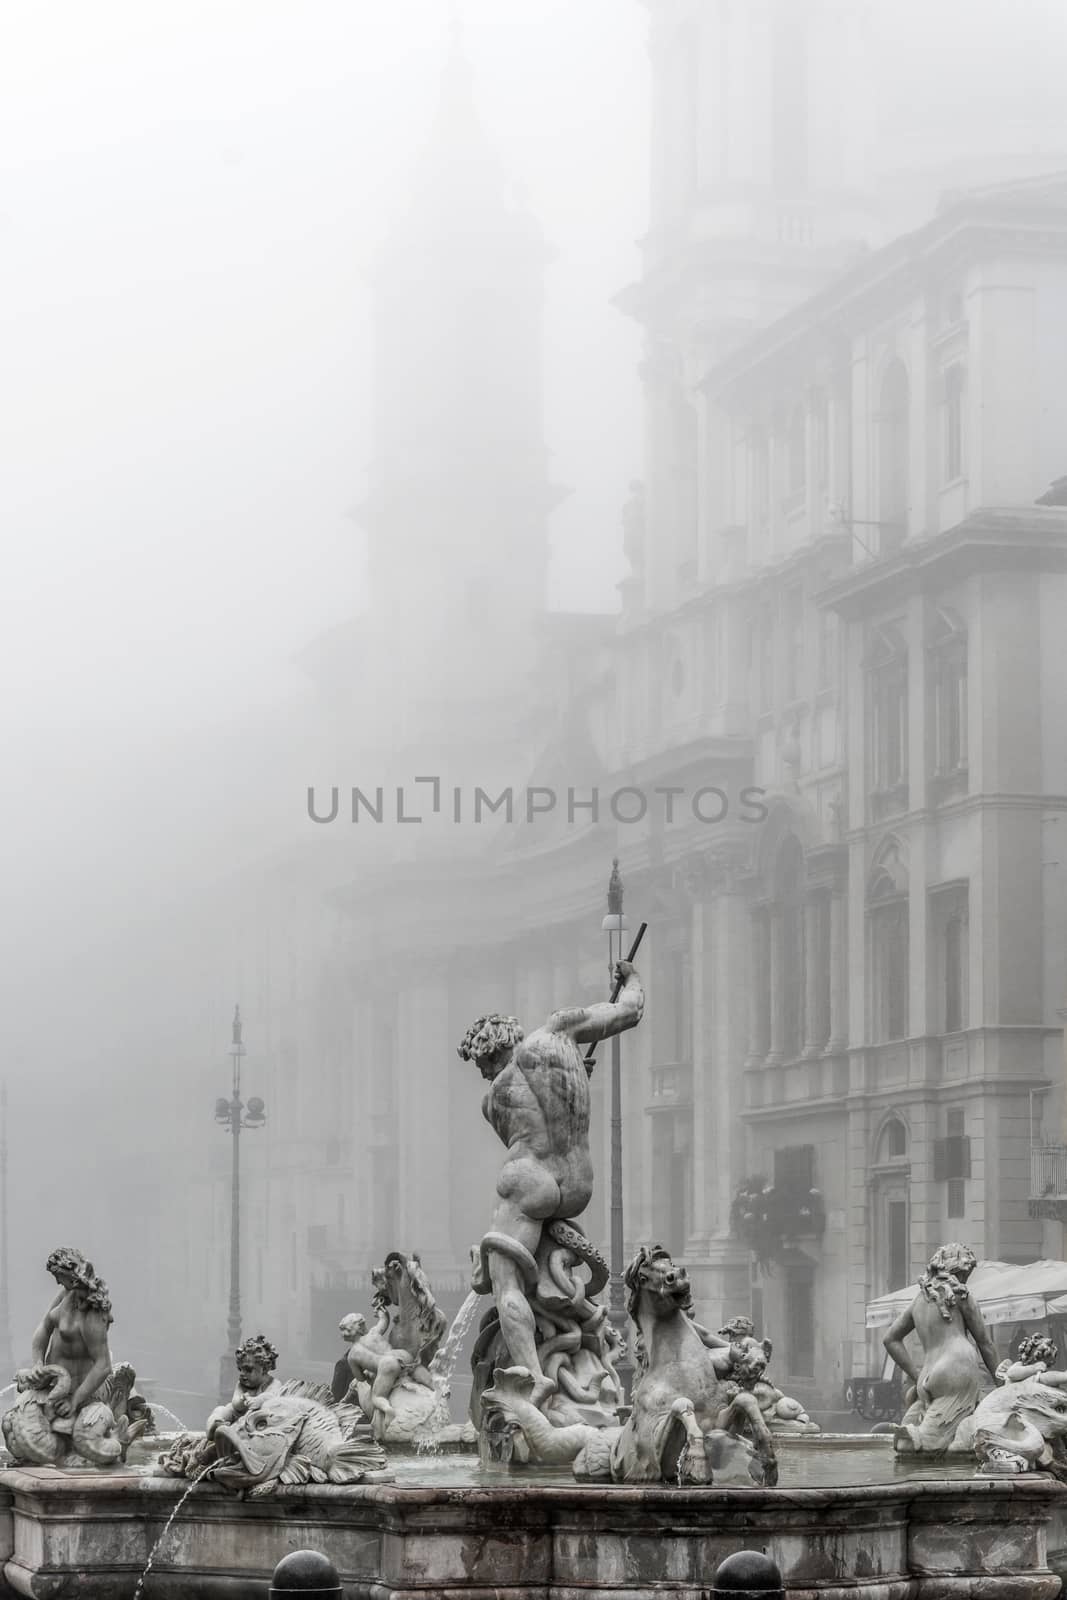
[539,1108]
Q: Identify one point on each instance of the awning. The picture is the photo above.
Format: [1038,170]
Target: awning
[1005,1292]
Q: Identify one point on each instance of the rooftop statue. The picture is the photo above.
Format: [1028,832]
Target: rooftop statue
[959,1362]
[538,1105]
[74,1408]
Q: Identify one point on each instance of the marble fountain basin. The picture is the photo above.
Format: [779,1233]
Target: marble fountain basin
[847,1518]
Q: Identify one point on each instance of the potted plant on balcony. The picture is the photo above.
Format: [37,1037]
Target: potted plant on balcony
[768,1219]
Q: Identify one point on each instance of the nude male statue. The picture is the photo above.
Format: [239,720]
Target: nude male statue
[538,1104]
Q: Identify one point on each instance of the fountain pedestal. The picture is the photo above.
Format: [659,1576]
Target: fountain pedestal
[89,1535]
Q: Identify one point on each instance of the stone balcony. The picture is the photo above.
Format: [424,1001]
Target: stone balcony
[1048,1181]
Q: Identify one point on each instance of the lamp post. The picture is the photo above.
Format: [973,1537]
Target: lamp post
[236,1116]
[6,1359]
[615,925]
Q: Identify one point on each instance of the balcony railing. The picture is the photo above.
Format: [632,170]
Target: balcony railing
[1048,1172]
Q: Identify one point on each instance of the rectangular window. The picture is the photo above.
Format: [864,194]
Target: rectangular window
[761,481]
[889,970]
[827,649]
[950,946]
[952,1162]
[954,975]
[800,1324]
[819,412]
[954,393]
[949,708]
[766,671]
[794,1169]
[888,723]
[897,1242]
[793,606]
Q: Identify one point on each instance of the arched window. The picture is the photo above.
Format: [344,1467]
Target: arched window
[893,1142]
[894,486]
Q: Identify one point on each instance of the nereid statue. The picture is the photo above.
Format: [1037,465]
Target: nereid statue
[959,1363]
[75,1409]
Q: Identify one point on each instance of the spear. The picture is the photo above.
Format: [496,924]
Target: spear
[617,990]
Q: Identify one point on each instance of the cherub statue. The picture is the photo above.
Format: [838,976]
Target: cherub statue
[744,1364]
[376,1368]
[256,1360]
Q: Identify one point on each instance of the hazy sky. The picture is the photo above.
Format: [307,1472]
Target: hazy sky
[190,191]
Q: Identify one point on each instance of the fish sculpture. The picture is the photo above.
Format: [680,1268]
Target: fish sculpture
[35,1435]
[296,1435]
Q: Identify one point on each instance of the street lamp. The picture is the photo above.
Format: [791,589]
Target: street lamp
[615,925]
[7,1364]
[235,1115]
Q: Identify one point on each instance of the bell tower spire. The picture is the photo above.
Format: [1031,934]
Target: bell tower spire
[459,496]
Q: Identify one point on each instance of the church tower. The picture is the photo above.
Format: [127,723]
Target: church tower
[456,513]
[759,153]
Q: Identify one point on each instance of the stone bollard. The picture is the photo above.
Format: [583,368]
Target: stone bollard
[749,1572]
[305,1572]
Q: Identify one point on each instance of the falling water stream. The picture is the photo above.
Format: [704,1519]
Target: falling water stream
[157,1408]
[442,1368]
[201,1475]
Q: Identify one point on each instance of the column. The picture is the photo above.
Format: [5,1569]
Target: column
[776,1054]
[814,968]
[838,1040]
[758,987]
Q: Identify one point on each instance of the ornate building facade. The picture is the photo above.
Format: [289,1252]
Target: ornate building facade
[823,736]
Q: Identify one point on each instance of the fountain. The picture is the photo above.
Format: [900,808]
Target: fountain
[569,1490]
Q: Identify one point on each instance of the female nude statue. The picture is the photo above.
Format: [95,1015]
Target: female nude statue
[73,1334]
[538,1104]
[959,1358]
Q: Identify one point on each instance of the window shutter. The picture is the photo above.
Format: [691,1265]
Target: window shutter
[964,1161]
[940,1160]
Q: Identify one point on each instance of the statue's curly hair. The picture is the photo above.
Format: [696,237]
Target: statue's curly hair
[738,1328]
[942,1281]
[488,1036]
[1037,1347]
[257,1348]
[92,1290]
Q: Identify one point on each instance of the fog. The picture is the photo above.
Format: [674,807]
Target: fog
[193,195]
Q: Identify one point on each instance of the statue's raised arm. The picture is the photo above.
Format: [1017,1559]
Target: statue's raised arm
[590,1024]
